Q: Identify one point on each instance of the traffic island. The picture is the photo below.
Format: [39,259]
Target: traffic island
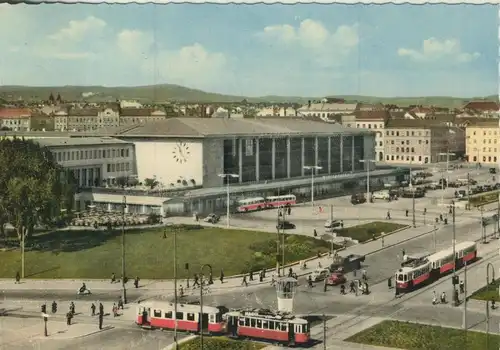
[220,343]
[370,231]
[412,336]
[488,293]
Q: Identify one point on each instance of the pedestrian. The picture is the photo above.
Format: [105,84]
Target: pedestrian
[290,272]
[341,224]
[365,277]
[352,287]
[113,278]
[244,281]
[437,220]
[325,284]
[388,216]
[441,217]
[196,281]
[389,283]
[72,308]
[115,310]
[406,212]
[462,287]
[319,265]
[221,276]
[289,210]
[263,273]
[181,291]
[315,233]
[18,278]
[68,318]
[309,281]
[425,211]
[261,276]
[120,303]
[136,282]
[101,309]
[210,279]
[101,316]
[92,309]
[251,275]
[403,252]
[366,290]
[342,289]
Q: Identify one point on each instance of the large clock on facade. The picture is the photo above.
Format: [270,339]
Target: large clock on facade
[181,152]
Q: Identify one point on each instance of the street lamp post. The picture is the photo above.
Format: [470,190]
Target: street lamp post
[452,205]
[367,161]
[488,283]
[45,319]
[201,301]
[124,290]
[447,154]
[313,169]
[228,177]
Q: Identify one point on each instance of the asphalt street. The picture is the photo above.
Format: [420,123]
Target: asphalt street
[65,295]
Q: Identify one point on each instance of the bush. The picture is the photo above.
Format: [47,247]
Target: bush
[219,343]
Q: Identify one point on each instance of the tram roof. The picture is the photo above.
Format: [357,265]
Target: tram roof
[191,308]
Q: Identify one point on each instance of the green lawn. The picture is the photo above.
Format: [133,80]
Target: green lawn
[97,254]
[488,292]
[411,336]
[364,232]
[216,343]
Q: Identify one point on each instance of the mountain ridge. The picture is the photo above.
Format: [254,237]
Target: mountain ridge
[163,93]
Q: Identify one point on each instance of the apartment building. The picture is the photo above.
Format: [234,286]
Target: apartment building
[86,119]
[482,141]
[374,120]
[130,116]
[16,119]
[422,141]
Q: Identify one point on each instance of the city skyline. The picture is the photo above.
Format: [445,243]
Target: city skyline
[299,50]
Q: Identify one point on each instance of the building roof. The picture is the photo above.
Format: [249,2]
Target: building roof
[482,123]
[133,200]
[139,112]
[372,115]
[482,106]
[414,123]
[78,141]
[6,113]
[329,107]
[219,127]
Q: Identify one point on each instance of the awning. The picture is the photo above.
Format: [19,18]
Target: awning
[133,200]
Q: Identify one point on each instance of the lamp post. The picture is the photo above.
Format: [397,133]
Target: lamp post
[201,301]
[313,169]
[488,283]
[228,177]
[447,154]
[45,319]
[367,161]
[124,290]
[452,205]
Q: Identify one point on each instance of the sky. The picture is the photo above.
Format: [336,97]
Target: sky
[256,50]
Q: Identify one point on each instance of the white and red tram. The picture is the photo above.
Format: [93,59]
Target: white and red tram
[162,315]
[428,269]
[265,325]
[260,203]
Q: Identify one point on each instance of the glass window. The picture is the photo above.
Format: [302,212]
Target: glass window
[271,324]
[179,315]
[109,168]
[168,314]
[190,317]
[157,313]
[241,321]
[253,322]
[247,322]
[258,323]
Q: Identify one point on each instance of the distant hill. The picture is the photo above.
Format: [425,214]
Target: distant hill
[168,92]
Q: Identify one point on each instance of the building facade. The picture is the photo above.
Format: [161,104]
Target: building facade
[482,142]
[15,119]
[422,142]
[93,161]
[130,116]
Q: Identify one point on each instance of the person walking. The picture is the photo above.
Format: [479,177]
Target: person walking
[18,278]
[388,216]
[92,309]
[244,281]
[221,276]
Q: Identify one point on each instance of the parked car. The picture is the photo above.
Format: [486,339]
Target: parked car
[285,225]
[358,198]
[320,274]
[381,195]
[336,278]
[493,170]
[346,264]
[332,223]
[212,218]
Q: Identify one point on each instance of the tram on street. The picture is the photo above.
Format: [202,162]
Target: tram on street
[261,203]
[427,269]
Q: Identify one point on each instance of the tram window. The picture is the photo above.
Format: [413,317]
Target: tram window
[168,314]
[271,324]
[258,323]
[283,326]
[179,316]
[157,313]
[252,322]
[190,316]
[241,321]
[305,328]
[247,322]
[405,278]
[218,317]
[265,325]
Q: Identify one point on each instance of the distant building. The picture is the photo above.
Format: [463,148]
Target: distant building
[16,119]
[130,116]
[482,141]
[130,104]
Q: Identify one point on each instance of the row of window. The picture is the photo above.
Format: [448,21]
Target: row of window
[485,159]
[484,141]
[408,158]
[484,133]
[63,156]
[179,315]
[407,149]
[263,324]
[407,133]
[111,168]
[420,272]
[408,142]
[375,126]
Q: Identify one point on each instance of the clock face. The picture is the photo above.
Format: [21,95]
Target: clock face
[181,152]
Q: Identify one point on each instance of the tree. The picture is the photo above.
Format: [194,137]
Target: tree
[33,186]
[151,183]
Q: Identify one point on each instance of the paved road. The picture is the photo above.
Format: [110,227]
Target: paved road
[66,295]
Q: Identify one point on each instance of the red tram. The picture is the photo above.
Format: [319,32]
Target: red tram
[161,315]
[265,325]
[428,269]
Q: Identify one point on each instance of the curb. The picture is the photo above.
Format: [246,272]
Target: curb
[387,234]
[107,328]
[398,243]
[181,341]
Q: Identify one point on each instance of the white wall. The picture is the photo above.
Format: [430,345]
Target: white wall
[156,158]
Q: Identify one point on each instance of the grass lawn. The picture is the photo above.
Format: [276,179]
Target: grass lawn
[216,343]
[411,336]
[97,254]
[488,292]
[364,232]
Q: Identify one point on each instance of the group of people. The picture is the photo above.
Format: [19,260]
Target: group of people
[125,280]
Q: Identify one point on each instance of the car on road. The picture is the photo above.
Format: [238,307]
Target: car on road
[493,170]
[381,195]
[320,274]
[332,223]
[285,225]
[346,264]
[212,218]
[336,278]
[358,198]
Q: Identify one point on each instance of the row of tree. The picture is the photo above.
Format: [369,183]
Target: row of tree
[33,186]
